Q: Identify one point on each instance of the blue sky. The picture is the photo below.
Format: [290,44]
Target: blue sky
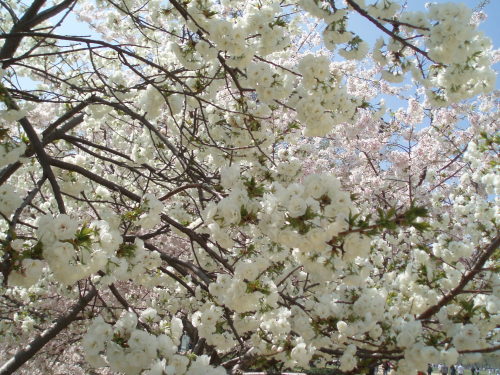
[368,32]
[358,24]
[490,27]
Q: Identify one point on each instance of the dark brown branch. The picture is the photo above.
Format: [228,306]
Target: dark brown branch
[25,354]
[48,13]
[10,46]
[29,20]
[94,177]
[486,254]
[49,137]
[38,149]
[10,10]
[185,187]
[69,114]
[44,162]
[489,349]
[178,279]
[180,265]
[393,35]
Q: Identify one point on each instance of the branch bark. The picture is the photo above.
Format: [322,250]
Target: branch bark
[25,354]
[463,282]
[30,19]
[393,35]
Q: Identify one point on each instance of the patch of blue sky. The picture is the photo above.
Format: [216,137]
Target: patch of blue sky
[490,27]
[358,24]
[369,33]
[73,26]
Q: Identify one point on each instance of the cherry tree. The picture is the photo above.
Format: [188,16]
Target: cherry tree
[251,175]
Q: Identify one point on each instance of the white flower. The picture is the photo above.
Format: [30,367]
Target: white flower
[246,270]
[151,102]
[229,210]
[166,346]
[467,338]
[315,186]
[347,360]
[375,332]
[158,368]
[199,366]
[430,354]
[356,245]
[64,227]
[357,52]
[301,354]
[229,176]
[149,315]
[9,199]
[28,324]
[176,329]
[59,254]
[296,206]
[126,323]
[449,356]
[30,272]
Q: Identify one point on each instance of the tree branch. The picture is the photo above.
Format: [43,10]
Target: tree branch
[393,35]
[25,354]
[29,20]
[463,282]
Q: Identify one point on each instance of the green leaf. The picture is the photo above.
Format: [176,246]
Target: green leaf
[253,188]
[256,286]
[36,252]
[84,236]
[126,250]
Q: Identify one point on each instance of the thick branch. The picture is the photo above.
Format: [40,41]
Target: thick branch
[38,150]
[44,161]
[10,46]
[68,115]
[393,35]
[49,13]
[25,354]
[94,177]
[47,138]
[29,20]
[465,279]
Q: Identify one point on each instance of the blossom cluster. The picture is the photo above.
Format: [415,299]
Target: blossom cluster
[130,350]
[253,176]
